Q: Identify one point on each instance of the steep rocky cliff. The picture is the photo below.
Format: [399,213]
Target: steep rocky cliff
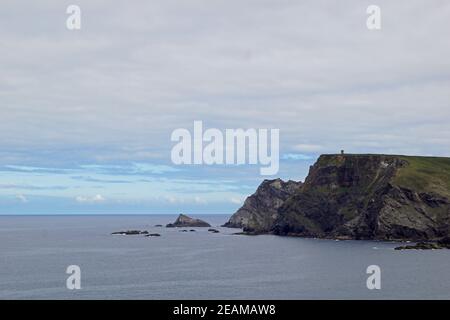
[260,209]
[363,197]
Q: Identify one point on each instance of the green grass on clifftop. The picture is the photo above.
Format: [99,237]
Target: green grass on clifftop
[425,174]
[422,174]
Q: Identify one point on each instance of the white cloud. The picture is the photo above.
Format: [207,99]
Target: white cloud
[114,92]
[22,198]
[236,200]
[303,147]
[171,199]
[199,200]
[143,68]
[185,200]
[95,199]
[296,156]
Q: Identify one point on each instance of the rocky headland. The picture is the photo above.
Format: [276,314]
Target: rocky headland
[260,210]
[355,196]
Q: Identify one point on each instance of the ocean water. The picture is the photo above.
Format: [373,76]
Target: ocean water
[36,250]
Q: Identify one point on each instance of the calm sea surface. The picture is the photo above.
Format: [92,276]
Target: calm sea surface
[36,250]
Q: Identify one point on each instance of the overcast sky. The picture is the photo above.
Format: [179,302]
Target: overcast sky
[86,115]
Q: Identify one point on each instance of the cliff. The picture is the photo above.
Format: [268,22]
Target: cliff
[359,197]
[261,209]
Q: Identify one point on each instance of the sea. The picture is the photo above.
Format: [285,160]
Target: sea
[36,252]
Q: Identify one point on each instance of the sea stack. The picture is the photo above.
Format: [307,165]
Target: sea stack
[185,221]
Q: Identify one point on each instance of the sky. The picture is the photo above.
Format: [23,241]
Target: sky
[86,115]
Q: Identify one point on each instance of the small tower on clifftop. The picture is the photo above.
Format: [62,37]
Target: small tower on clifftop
[342,152]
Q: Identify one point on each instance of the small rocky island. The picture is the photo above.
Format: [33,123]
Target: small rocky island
[130,232]
[136,233]
[183,221]
[357,196]
[443,243]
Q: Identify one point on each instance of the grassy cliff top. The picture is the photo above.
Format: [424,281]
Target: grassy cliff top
[421,174]
[425,174]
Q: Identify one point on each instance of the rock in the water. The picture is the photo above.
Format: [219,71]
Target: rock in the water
[383,197]
[153,235]
[130,232]
[213,230]
[424,246]
[158,225]
[185,221]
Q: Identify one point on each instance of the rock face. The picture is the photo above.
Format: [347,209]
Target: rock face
[359,197]
[260,210]
[185,221]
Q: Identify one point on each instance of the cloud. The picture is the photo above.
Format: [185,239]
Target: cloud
[137,168]
[95,199]
[199,200]
[142,71]
[235,200]
[31,169]
[307,147]
[296,156]
[148,168]
[22,198]
[196,200]
[145,68]
[172,199]
[90,179]
[31,187]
